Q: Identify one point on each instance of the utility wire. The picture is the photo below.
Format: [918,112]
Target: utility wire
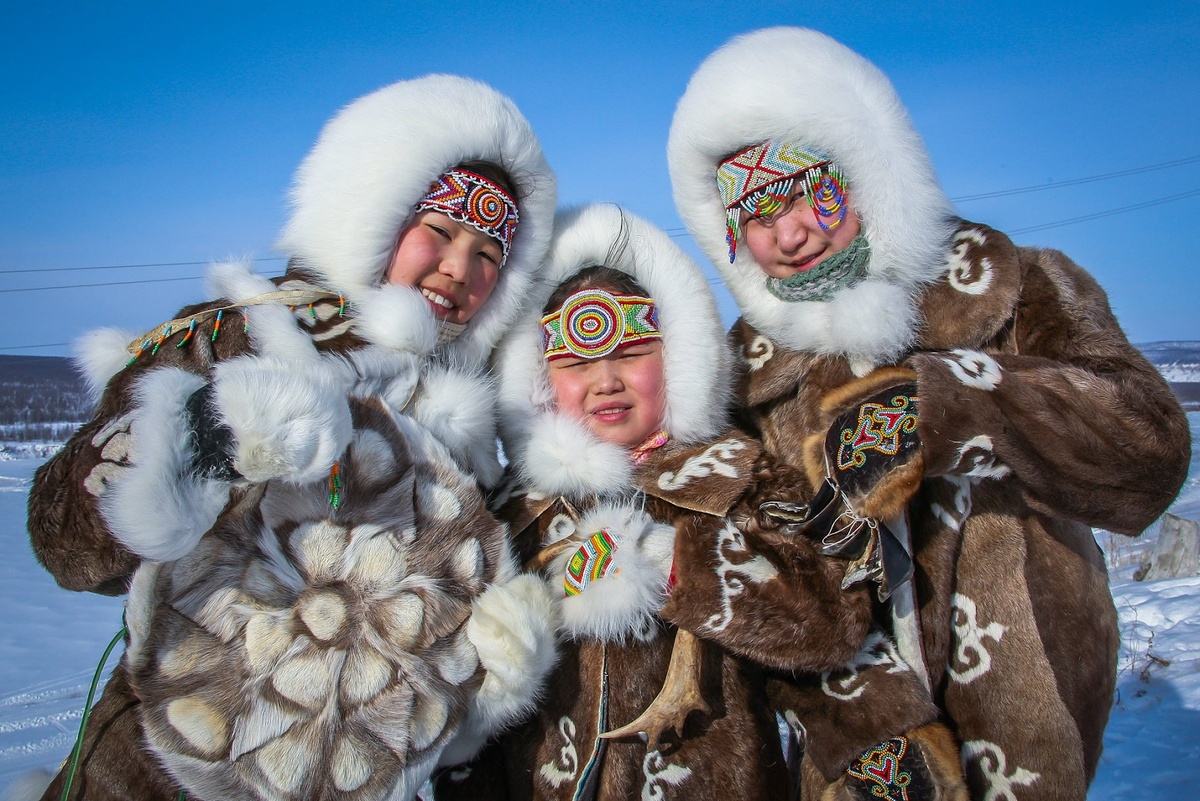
[1098,215]
[680,231]
[1076,181]
[108,283]
[127,266]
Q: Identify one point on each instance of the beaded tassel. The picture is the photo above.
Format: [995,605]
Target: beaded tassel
[142,349]
[312,312]
[246,324]
[217,324]
[335,485]
[161,340]
[341,306]
[190,332]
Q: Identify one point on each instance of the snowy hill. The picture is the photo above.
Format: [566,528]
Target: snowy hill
[42,398]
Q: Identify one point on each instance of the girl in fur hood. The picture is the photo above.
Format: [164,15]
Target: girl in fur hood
[287,480]
[642,511]
[969,408]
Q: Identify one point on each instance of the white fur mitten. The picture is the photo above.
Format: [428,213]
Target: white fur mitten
[290,418]
[513,628]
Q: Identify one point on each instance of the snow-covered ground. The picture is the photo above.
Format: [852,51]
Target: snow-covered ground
[52,639]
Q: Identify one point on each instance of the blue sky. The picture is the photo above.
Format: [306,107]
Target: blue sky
[155,134]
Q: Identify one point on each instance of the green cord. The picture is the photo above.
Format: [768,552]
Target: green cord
[87,709]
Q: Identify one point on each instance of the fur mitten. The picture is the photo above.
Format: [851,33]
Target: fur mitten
[290,419]
[513,627]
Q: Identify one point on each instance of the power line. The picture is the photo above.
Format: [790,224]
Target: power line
[1098,215]
[1076,181]
[107,283]
[128,266]
[34,347]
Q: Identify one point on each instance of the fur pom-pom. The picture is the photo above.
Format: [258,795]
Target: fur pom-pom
[100,355]
[236,281]
[397,317]
[458,408]
[623,603]
[159,509]
[562,457]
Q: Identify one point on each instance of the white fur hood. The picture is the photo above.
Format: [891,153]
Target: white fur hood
[828,98]
[557,455]
[356,189]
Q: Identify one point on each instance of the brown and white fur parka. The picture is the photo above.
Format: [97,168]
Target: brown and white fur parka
[760,595]
[283,645]
[1037,420]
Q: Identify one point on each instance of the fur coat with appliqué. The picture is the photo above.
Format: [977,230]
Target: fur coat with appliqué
[759,593]
[283,645]
[1038,420]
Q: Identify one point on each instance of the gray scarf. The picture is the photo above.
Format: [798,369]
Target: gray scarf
[844,268]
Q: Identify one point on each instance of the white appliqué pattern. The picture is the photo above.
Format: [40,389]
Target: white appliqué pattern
[734,577]
[877,650]
[976,459]
[568,757]
[953,518]
[657,772]
[971,657]
[962,275]
[713,460]
[994,770]
[758,352]
[974,369]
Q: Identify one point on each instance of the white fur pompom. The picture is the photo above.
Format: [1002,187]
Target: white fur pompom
[397,317]
[562,457]
[100,355]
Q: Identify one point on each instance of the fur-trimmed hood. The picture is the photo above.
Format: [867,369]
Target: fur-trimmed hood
[826,97]
[355,191]
[558,455]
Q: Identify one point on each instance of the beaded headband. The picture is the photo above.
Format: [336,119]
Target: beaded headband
[759,180]
[476,201]
[593,323]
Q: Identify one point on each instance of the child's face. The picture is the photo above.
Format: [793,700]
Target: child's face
[453,264]
[793,242]
[621,397]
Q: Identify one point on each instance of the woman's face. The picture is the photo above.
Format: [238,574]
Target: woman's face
[793,242]
[621,397]
[453,264]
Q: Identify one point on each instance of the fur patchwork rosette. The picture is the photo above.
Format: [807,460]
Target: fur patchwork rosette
[306,651]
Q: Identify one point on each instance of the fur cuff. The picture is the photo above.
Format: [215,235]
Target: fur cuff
[290,420]
[564,458]
[625,601]
[160,509]
[512,627]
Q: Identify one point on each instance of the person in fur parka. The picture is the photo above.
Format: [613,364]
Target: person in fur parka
[288,480]
[1027,415]
[641,509]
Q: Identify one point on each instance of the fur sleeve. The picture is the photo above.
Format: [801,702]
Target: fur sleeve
[1074,413]
[769,596]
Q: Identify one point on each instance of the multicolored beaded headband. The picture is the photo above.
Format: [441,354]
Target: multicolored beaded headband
[476,201]
[759,180]
[593,323]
